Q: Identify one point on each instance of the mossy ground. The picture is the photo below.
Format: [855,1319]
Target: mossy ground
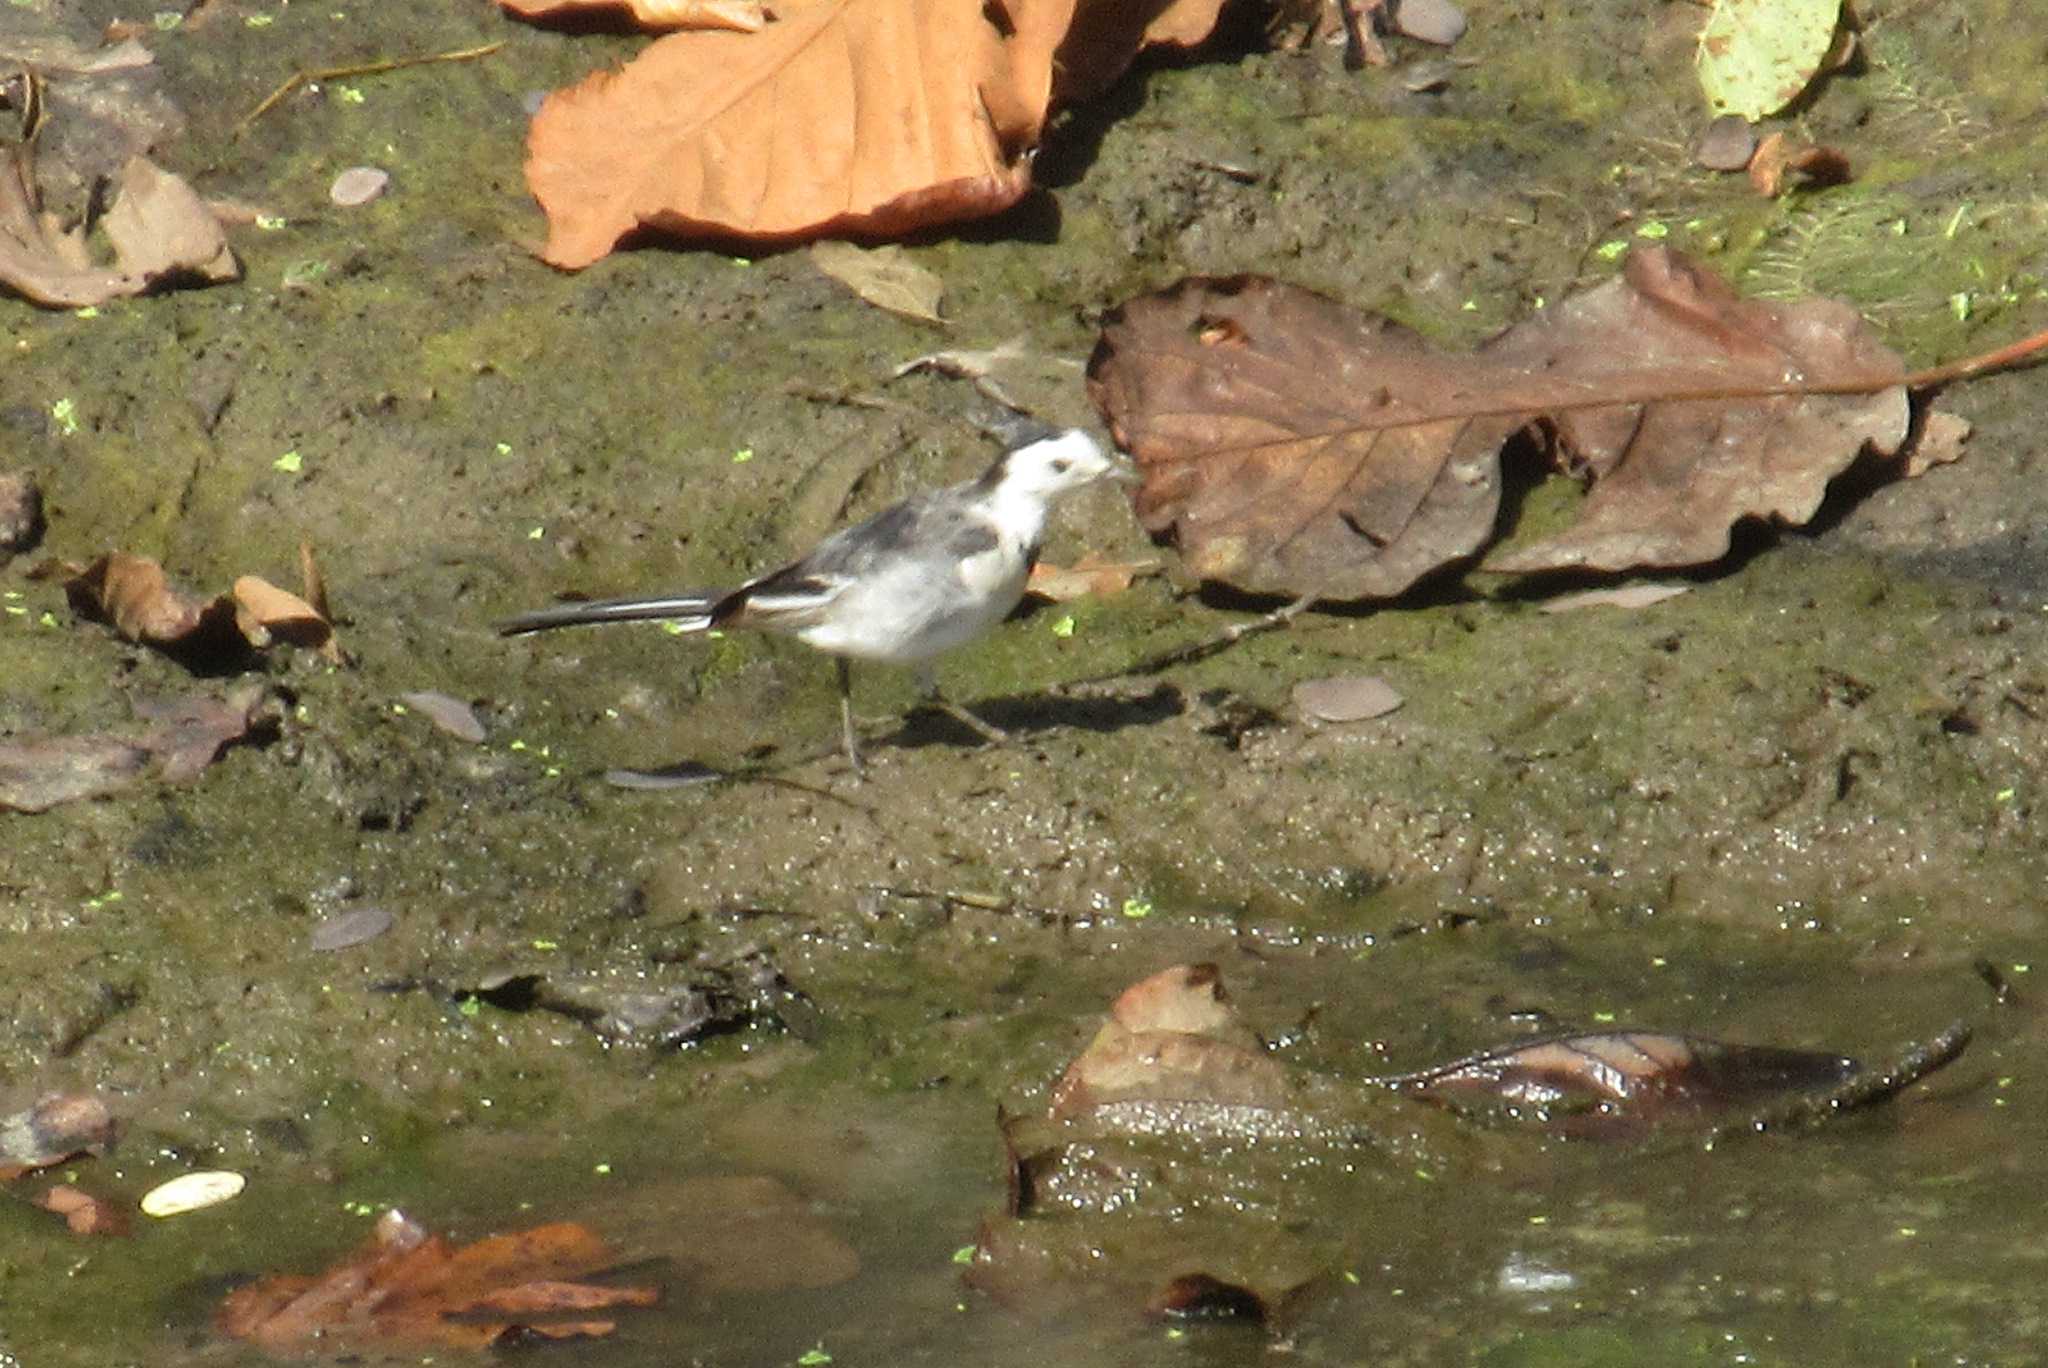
[1794,805]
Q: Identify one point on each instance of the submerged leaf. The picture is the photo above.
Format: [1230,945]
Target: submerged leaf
[412,1290]
[1613,1082]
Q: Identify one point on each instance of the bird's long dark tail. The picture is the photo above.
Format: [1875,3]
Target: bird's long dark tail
[690,612]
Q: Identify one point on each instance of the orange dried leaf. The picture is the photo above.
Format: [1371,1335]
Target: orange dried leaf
[848,117]
[264,611]
[134,596]
[409,1289]
[1090,575]
[740,16]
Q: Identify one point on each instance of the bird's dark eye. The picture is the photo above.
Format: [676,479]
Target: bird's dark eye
[1061,466]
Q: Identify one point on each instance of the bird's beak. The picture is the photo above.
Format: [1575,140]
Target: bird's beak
[1123,470]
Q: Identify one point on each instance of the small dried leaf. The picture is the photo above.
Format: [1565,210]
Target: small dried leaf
[451,715]
[1621,596]
[1171,1038]
[1090,576]
[1779,156]
[353,927]
[884,277]
[38,774]
[262,610]
[133,594]
[162,230]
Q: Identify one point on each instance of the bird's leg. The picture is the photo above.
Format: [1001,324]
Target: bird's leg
[928,684]
[846,732]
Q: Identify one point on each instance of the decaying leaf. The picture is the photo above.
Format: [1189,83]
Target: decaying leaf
[160,231]
[264,612]
[409,1290]
[185,735]
[741,16]
[884,277]
[1613,1082]
[1089,577]
[451,715]
[58,1127]
[844,118]
[1291,444]
[1171,1038]
[135,596]
[1621,596]
[1941,441]
[1779,157]
[39,773]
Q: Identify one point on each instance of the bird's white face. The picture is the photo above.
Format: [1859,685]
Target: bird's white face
[1053,465]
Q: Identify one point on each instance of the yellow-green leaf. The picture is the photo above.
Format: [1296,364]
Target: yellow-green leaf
[1756,56]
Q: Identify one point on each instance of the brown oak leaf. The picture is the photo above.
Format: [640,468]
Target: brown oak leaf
[1292,444]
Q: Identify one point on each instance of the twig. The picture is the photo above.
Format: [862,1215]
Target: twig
[1210,646]
[299,78]
[1866,1088]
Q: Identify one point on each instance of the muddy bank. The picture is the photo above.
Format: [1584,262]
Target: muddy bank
[1795,804]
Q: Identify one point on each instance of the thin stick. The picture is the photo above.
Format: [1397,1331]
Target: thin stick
[299,78]
[1201,650]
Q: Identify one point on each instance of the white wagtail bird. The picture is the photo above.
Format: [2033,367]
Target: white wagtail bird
[917,579]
